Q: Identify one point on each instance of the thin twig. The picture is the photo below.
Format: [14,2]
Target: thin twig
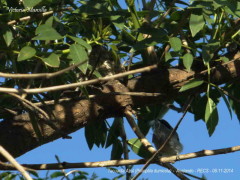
[166,13]
[15,163]
[40,75]
[74,85]
[166,141]
[112,163]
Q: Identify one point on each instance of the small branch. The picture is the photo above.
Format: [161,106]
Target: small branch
[74,85]
[149,147]
[15,163]
[112,163]
[137,131]
[165,14]
[26,18]
[40,75]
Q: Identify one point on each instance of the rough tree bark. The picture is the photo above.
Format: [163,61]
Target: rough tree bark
[17,134]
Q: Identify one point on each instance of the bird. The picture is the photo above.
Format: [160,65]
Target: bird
[161,131]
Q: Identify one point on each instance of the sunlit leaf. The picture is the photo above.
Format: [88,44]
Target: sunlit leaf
[196,23]
[191,84]
[52,60]
[26,53]
[78,54]
[45,32]
[30,3]
[138,148]
[187,61]
[82,42]
[175,43]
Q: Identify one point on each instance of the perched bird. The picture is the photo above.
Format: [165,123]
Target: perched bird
[161,131]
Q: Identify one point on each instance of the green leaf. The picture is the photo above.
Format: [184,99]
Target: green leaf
[114,132]
[52,60]
[199,101]
[30,3]
[34,122]
[209,49]
[148,42]
[187,61]
[45,32]
[211,116]
[57,174]
[82,42]
[78,54]
[26,53]
[138,148]
[156,32]
[191,84]
[196,23]
[118,21]
[225,100]
[8,37]
[234,90]
[89,131]
[168,56]
[175,43]
[117,150]
[224,59]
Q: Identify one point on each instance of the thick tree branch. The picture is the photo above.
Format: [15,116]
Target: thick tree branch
[17,134]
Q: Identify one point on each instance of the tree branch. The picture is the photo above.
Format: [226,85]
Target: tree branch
[15,163]
[75,114]
[111,163]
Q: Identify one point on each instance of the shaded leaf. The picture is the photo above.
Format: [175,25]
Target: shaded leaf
[89,135]
[225,100]
[26,53]
[234,90]
[156,32]
[191,84]
[57,174]
[211,116]
[148,42]
[34,122]
[8,37]
[114,132]
[117,150]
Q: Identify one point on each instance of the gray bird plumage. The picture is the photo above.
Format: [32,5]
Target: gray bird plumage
[161,131]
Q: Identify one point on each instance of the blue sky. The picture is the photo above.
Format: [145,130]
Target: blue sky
[193,135]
